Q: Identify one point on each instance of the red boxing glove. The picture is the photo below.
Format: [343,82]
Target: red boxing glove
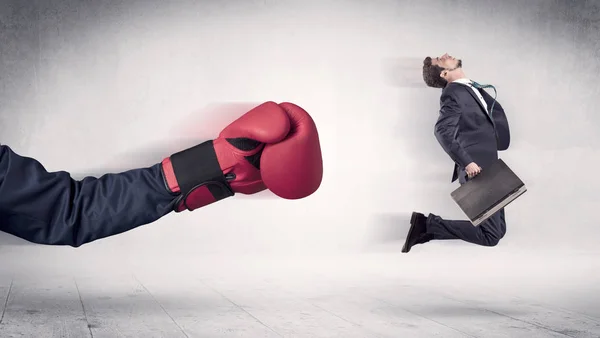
[273,146]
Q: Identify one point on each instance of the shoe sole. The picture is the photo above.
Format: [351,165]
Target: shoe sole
[413,219]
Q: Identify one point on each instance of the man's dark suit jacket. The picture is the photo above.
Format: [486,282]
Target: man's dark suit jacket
[52,208]
[464,130]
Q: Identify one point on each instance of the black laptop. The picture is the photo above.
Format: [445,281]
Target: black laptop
[492,189]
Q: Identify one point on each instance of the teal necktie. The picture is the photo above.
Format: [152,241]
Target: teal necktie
[482,86]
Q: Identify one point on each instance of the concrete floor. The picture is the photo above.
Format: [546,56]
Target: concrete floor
[440,291]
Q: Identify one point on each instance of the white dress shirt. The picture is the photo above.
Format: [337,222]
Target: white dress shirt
[468,83]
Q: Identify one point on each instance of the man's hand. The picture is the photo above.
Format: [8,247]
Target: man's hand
[472,169]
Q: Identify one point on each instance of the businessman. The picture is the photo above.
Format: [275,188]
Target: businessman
[471,128]
[273,146]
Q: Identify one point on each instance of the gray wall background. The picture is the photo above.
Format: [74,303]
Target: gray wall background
[103,86]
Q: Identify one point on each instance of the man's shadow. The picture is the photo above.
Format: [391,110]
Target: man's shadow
[413,126]
[417,114]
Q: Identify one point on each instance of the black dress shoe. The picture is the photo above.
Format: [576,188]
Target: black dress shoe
[417,233]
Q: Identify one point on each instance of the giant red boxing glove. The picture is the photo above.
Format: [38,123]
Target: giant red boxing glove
[273,146]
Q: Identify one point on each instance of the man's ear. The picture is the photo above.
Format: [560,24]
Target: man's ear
[443,74]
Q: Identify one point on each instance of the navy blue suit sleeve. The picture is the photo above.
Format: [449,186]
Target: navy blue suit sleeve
[52,208]
[446,128]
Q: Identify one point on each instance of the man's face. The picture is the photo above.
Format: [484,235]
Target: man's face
[447,62]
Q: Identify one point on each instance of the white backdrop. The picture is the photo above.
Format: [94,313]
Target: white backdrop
[102,87]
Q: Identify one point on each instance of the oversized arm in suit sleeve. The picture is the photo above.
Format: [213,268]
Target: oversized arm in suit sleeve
[445,130]
[52,208]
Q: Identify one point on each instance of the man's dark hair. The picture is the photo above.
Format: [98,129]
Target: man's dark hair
[431,74]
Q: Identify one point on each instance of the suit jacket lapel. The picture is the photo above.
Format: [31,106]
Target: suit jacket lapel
[489,105]
[483,109]
[477,99]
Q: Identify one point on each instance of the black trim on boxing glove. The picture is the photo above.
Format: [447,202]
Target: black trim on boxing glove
[196,175]
[247,144]
[196,167]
